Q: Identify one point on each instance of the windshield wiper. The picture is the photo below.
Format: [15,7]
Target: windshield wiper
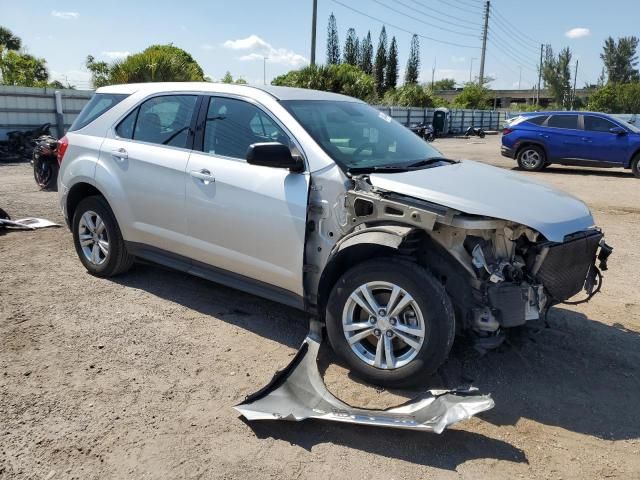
[429,161]
[383,168]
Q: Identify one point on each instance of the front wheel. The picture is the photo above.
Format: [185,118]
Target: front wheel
[391,321]
[635,166]
[532,158]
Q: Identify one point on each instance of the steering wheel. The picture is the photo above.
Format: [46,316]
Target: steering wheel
[362,147]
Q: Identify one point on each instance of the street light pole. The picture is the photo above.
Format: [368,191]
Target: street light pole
[520,78]
[264,69]
[471,70]
[313,32]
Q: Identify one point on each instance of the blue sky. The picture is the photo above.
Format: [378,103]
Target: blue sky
[236,35]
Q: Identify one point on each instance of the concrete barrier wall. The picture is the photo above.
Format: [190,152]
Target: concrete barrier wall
[24,108]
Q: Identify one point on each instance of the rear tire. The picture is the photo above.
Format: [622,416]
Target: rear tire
[374,347]
[635,166]
[97,238]
[532,158]
[45,174]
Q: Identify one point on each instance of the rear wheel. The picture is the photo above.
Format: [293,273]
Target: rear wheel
[391,321]
[97,238]
[532,158]
[45,173]
[635,166]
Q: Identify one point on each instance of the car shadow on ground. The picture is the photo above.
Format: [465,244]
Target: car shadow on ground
[591,172]
[574,373]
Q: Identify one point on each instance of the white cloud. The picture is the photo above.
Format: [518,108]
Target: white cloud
[116,55]
[257,49]
[65,15]
[578,32]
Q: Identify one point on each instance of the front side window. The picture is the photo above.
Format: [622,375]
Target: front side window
[597,124]
[233,125]
[563,121]
[164,120]
[357,136]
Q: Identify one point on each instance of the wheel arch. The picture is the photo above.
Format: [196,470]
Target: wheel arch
[353,249]
[77,193]
[525,143]
[634,155]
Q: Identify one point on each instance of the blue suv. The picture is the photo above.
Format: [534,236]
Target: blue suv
[584,139]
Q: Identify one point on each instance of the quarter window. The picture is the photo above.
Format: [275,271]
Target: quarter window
[597,124]
[538,120]
[563,121]
[233,125]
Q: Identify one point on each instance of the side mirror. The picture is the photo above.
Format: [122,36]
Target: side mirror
[618,131]
[275,155]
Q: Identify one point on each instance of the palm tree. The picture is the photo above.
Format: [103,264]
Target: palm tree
[8,40]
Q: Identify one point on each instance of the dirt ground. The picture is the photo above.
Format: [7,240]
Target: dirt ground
[135,377]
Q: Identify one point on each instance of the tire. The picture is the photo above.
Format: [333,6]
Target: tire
[116,260]
[532,158]
[635,166]
[45,174]
[429,309]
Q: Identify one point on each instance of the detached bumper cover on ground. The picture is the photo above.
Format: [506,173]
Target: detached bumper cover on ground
[298,392]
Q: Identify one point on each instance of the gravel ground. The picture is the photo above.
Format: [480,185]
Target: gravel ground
[135,377]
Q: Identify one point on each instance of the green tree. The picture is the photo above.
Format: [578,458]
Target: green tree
[350,51]
[343,78]
[391,72]
[620,59]
[616,98]
[380,64]
[444,84]
[556,73]
[9,41]
[366,55]
[157,63]
[333,43]
[473,95]
[413,63]
[409,95]
[228,78]
[24,70]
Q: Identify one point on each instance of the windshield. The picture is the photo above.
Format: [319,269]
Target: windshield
[359,137]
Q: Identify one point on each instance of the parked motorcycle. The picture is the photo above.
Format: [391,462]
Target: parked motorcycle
[424,131]
[475,132]
[45,162]
[21,143]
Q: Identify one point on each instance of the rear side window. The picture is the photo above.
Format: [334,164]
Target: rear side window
[100,103]
[563,121]
[597,124]
[538,120]
[164,120]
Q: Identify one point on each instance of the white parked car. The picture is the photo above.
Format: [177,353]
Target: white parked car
[321,202]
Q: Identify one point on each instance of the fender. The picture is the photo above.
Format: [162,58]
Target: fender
[526,141]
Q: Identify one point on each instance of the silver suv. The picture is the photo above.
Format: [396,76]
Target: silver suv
[321,202]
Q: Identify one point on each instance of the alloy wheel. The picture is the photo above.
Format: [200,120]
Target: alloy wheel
[383,325]
[530,159]
[94,240]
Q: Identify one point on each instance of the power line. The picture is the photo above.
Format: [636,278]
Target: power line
[513,36]
[467,22]
[460,8]
[401,28]
[519,32]
[523,57]
[422,21]
[514,58]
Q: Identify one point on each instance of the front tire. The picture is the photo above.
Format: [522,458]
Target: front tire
[391,321]
[635,166]
[97,238]
[532,158]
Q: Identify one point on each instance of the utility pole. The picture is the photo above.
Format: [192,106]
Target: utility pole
[264,69]
[539,75]
[484,41]
[575,79]
[433,72]
[520,78]
[313,32]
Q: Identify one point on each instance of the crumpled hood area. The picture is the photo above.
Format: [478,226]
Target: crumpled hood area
[479,189]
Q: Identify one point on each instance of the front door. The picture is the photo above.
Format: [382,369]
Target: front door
[600,144]
[245,219]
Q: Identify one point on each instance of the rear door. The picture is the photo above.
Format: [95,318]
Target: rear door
[600,145]
[145,160]
[245,219]
[563,137]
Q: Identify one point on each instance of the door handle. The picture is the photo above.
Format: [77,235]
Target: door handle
[587,139]
[119,154]
[543,135]
[204,175]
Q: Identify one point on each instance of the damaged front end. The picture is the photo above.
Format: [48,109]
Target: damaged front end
[498,273]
